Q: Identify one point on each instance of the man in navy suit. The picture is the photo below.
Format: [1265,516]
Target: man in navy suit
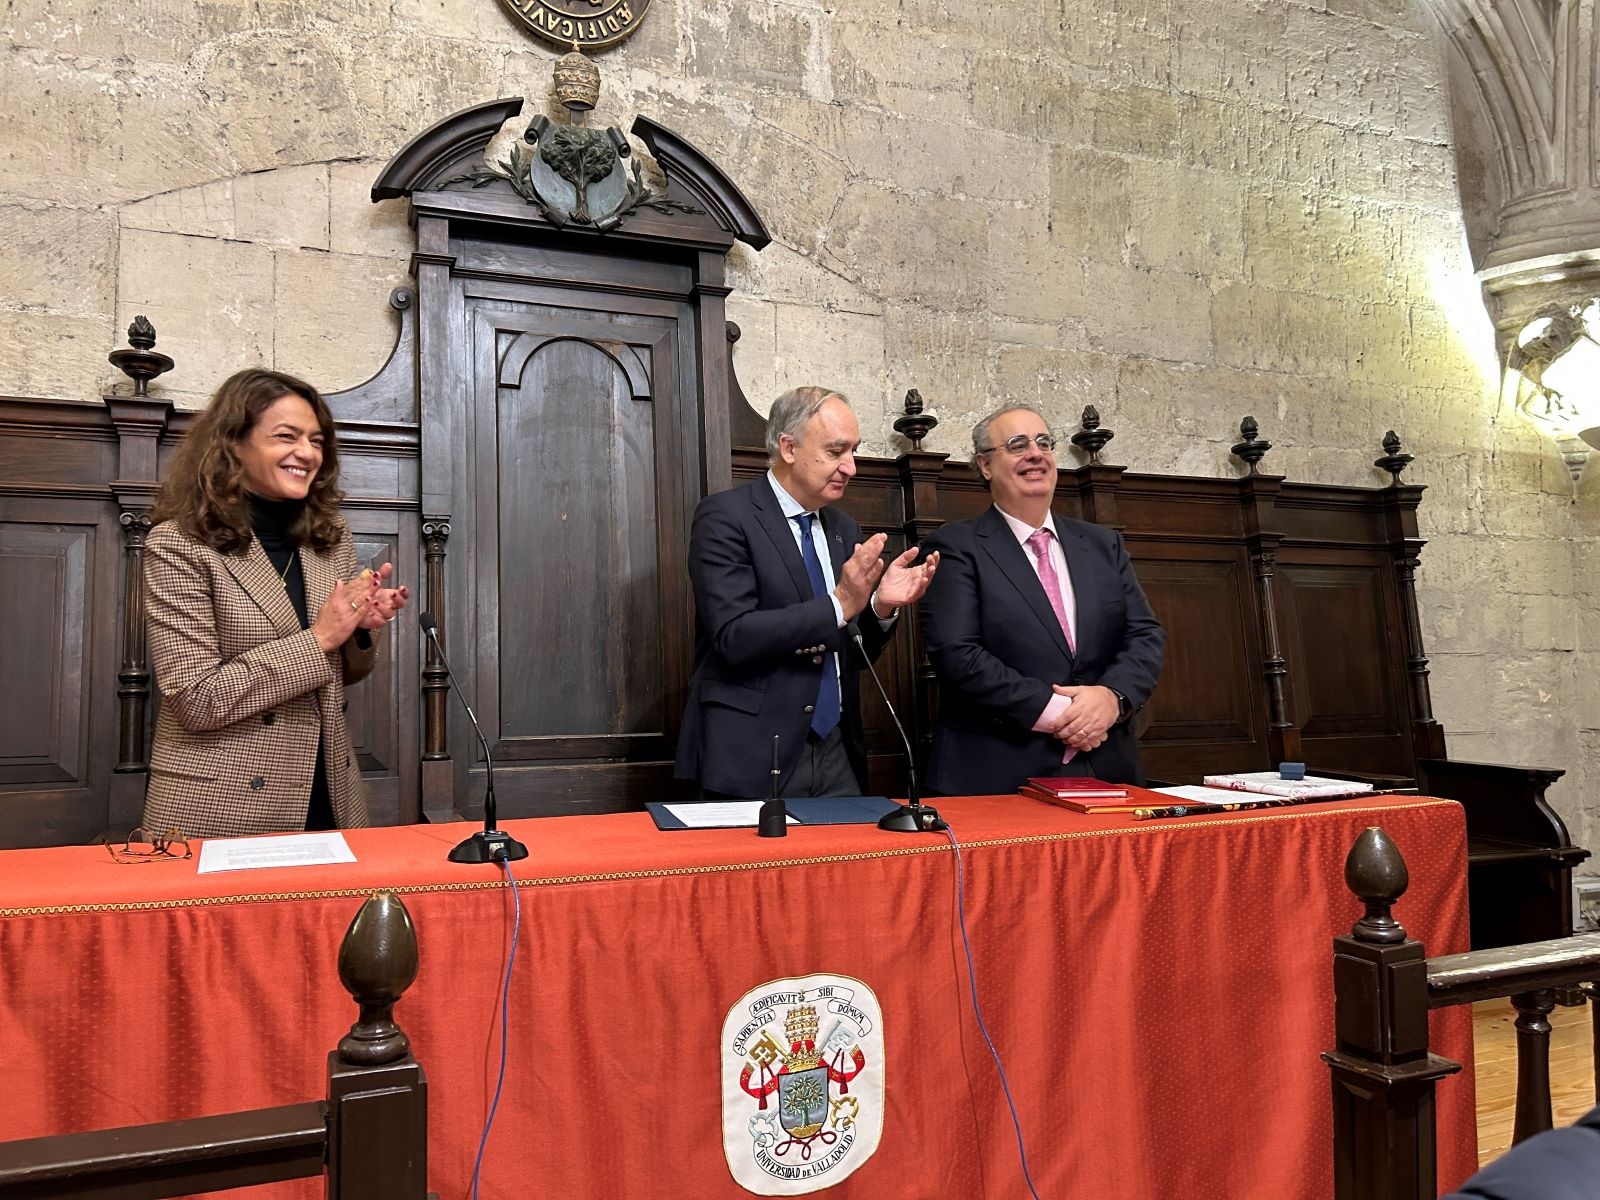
[1037,629]
[1558,1164]
[777,576]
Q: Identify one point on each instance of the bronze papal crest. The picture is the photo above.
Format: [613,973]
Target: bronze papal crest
[587,24]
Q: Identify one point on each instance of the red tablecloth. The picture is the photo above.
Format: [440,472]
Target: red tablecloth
[1159,992]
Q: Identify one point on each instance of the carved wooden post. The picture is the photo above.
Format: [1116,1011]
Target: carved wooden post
[1097,481]
[1427,733]
[711,290]
[1383,1075]
[377,1093]
[133,676]
[1591,992]
[1401,500]
[139,422]
[1533,1062]
[438,783]
[1259,495]
[920,471]
[915,422]
[1283,736]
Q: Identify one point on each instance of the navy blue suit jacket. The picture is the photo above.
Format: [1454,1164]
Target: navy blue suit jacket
[996,647]
[760,638]
[1559,1164]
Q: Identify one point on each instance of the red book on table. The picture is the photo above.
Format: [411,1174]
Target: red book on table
[1081,794]
[1080,787]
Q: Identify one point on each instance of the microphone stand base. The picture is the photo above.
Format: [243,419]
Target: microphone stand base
[773,819]
[487,846]
[913,818]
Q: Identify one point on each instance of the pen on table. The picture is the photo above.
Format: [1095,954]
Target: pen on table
[1190,810]
[1178,810]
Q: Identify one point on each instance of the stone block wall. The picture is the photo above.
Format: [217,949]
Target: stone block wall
[1181,212]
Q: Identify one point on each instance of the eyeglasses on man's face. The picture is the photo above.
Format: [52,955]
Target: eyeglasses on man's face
[144,845]
[1020,444]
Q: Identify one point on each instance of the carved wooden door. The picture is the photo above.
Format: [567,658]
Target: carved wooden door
[577,483]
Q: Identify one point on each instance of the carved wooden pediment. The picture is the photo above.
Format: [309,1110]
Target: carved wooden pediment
[572,177]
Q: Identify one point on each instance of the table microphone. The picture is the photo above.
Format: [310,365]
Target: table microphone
[773,820]
[488,844]
[915,816]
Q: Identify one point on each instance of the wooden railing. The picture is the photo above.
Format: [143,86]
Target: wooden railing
[369,1135]
[1384,988]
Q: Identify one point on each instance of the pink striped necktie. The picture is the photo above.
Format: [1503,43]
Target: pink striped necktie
[1039,543]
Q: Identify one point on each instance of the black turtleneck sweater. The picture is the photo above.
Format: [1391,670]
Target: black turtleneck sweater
[272,521]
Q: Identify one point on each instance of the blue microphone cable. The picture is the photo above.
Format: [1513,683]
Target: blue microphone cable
[505,1019]
[972,983]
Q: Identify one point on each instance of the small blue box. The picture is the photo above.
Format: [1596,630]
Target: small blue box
[1291,770]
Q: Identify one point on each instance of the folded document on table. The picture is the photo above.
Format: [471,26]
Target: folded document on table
[1270,783]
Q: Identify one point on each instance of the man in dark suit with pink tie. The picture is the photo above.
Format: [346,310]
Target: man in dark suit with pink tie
[1041,638]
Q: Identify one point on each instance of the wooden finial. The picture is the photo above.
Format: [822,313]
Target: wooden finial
[142,363]
[1393,461]
[916,424]
[377,963]
[1376,873]
[1090,437]
[1252,448]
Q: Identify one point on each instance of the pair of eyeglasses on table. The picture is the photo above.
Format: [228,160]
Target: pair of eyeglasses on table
[144,846]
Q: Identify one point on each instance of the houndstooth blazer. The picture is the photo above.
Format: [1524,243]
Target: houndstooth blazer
[245,690]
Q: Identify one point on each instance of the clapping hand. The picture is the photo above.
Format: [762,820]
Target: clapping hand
[349,608]
[385,602]
[903,583]
[859,576]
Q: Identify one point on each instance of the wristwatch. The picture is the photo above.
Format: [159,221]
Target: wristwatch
[1124,709]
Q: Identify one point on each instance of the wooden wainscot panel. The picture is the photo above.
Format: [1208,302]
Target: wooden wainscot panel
[379,708]
[875,498]
[378,464]
[1207,713]
[1180,508]
[1324,513]
[56,448]
[964,494]
[1341,630]
[58,590]
[554,267]
[44,578]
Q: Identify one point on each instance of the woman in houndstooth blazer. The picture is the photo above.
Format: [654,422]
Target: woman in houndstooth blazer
[257,618]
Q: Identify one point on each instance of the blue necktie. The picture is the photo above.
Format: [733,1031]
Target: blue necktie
[826,714]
